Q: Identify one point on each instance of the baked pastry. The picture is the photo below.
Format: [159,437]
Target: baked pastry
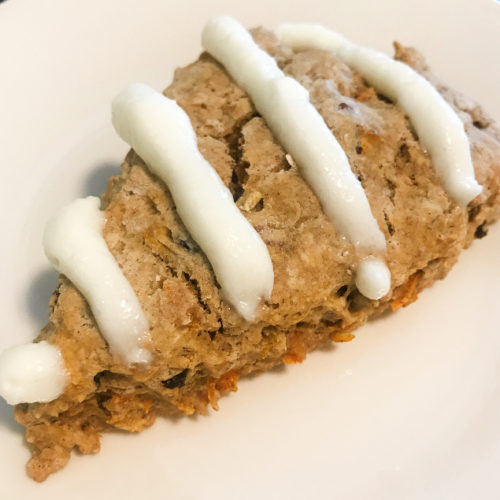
[200,344]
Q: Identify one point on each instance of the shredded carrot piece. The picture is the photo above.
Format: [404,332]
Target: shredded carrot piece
[296,350]
[293,358]
[367,95]
[186,407]
[409,294]
[131,419]
[148,403]
[342,337]
[213,394]
[225,383]
[370,141]
[228,381]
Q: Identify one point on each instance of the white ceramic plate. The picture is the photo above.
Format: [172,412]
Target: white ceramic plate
[410,409]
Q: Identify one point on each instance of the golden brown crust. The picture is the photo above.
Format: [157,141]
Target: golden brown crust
[201,345]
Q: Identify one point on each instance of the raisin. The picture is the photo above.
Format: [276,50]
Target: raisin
[213,333]
[473,211]
[98,376]
[238,192]
[481,232]
[176,381]
[479,125]
[184,244]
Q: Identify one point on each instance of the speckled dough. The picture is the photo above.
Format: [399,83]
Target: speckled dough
[200,345]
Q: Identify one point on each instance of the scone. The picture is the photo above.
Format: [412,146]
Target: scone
[199,343]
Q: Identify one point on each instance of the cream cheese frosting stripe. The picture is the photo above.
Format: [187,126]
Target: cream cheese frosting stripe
[439,128]
[161,133]
[285,106]
[74,245]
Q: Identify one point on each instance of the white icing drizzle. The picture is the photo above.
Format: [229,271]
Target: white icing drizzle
[439,128]
[74,244]
[285,106]
[161,133]
[32,373]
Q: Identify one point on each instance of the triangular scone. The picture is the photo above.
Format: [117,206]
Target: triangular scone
[201,346]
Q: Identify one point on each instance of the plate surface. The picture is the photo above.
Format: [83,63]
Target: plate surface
[410,409]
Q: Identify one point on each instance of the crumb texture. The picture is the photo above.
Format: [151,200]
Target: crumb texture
[201,346]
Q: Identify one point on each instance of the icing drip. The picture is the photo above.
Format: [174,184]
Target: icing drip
[74,245]
[285,106]
[161,133]
[439,128]
[32,373]
[373,278]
